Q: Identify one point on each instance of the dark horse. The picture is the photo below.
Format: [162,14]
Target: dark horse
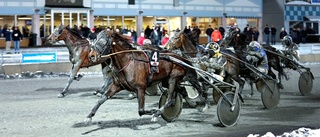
[237,41]
[188,46]
[132,69]
[79,49]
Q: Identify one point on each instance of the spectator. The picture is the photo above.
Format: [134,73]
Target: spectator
[209,31]
[155,36]
[298,31]
[125,30]
[8,37]
[267,33]
[147,32]
[85,31]
[283,33]
[222,30]
[117,30]
[273,35]
[129,36]
[304,35]
[165,39]
[79,31]
[294,35]
[255,34]
[0,31]
[187,30]
[25,31]
[133,35]
[4,30]
[92,35]
[249,34]
[42,31]
[141,38]
[216,36]
[16,37]
[245,29]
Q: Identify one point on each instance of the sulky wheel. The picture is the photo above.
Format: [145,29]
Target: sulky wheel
[259,85]
[305,83]
[173,111]
[228,115]
[270,94]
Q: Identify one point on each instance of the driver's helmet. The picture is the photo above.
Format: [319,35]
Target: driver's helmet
[213,46]
[287,40]
[147,42]
[254,45]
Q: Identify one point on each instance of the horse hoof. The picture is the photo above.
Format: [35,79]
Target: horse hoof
[88,121]
[60,96]
[154,119]
[203,110]
[249,95]
[280,86]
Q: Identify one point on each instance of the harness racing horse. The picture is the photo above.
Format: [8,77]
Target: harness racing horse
[131,70]
[186,44]
[79,49]
[237,41]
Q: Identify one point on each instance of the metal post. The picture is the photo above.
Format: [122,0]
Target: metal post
[122,22]
[78,19]
[52,20]
[70,19]
[44,26]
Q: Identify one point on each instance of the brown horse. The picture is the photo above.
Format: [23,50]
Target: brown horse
[188,47]
[237,41]
[132,71]
[79,49]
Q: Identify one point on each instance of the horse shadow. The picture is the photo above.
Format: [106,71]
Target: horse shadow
[132,124]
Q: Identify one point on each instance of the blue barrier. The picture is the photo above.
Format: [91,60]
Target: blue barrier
[39,57]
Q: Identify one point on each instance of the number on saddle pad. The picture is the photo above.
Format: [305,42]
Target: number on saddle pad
[154,61]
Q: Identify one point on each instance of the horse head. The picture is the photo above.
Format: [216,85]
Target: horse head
[175,42]
[57,34]
[184,42]
[234,39]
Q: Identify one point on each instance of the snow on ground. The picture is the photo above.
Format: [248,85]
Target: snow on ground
[301,132]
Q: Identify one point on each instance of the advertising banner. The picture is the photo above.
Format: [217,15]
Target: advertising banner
[39,57]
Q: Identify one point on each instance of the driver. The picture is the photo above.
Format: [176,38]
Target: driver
[257,57]
[290,48]
[214,61]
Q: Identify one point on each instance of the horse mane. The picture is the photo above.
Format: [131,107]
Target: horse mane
[75,33]
[192,37]
[122,38]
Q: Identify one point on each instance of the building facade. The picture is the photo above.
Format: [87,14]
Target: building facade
[299,14]
[41,16]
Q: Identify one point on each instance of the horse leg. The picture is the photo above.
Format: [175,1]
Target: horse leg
[106,72]
[241,83]
[141,101]
[74,70]
[251,87]
[206,100]
[280,72]
[112,89]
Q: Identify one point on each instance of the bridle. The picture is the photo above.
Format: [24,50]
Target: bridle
[57,33]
